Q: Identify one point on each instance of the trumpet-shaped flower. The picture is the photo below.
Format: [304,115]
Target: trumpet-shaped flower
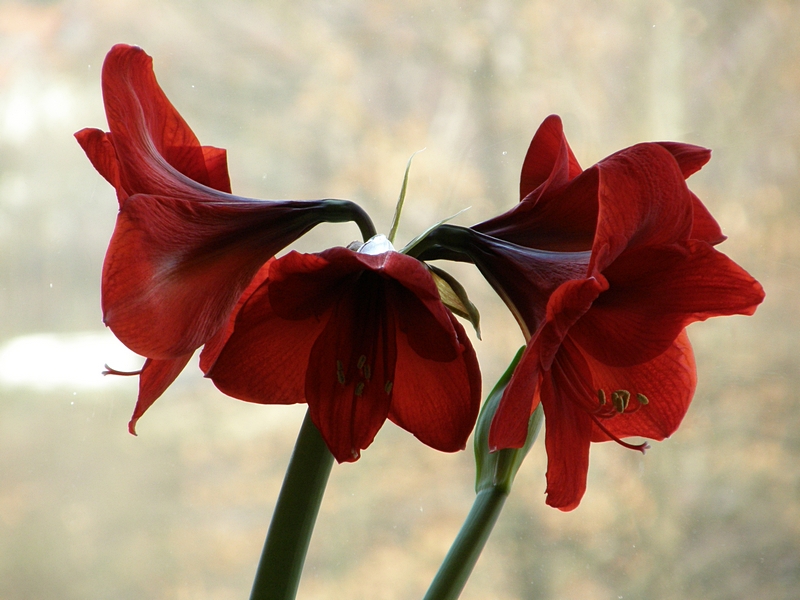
[183,248]
[361,336]
[604,269]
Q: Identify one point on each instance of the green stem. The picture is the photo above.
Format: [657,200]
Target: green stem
[467,547]
[293,521]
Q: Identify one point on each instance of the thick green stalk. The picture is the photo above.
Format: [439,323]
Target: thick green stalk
[467,547]
[293,521]
[495,472]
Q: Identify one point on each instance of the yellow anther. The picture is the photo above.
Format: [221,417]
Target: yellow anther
[367,372]
[340,372]
[362,360]
[359,388]
[620,400]
[601,396]
[388,387]
[642,399]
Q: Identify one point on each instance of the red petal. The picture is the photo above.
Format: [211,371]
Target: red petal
[562,219]
[643,201]
[175,269]
[704,227]
[157,151]
[306,285]
[509,427]
[214,346]
[351,370]
[549,157]
[266,357]
[654,293]
[567,304]
[690,158]
[668,382]
[156,376]
[568,429]
[103,157]
[436,401]
[559,207]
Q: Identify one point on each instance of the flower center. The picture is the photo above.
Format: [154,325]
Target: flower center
[620,404]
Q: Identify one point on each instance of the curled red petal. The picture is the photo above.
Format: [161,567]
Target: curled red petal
[559,206]
[549,159]
[101,154]
[155,377]
[437,401]
[157,151]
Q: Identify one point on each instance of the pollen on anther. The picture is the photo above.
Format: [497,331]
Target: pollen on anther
[388,387]
[359,388]
[642,399]
[367,372]
[601,396]
[362,360]
[620,400]
[340,372]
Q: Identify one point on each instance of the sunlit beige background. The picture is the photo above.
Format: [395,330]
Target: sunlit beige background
[317,98]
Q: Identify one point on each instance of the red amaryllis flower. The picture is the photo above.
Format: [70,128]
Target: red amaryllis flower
[361,337]
[183,248]
[607,354]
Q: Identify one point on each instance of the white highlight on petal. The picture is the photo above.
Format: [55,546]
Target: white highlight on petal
[377,244]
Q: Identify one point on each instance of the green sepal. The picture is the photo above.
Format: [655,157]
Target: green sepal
[398,209]
[498,469]
[454,297]
[415,246]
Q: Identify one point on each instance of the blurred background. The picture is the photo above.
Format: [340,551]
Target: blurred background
[314,98]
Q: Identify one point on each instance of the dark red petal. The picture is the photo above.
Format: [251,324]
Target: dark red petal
[561,219]
[305,285]
[509,427]
[436,401]
[668,382]
[654,293]
[568,429]
[156,376]
[351,370]
[103,157]
[643,201]
[266,357]
[214,346]
[157,151]
[523,277]
[175,269]
[549,157]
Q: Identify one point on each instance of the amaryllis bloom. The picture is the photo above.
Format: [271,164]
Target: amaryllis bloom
[361,336]
[183,249]
[604,269]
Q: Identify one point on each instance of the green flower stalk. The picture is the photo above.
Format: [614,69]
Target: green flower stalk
[495,472]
